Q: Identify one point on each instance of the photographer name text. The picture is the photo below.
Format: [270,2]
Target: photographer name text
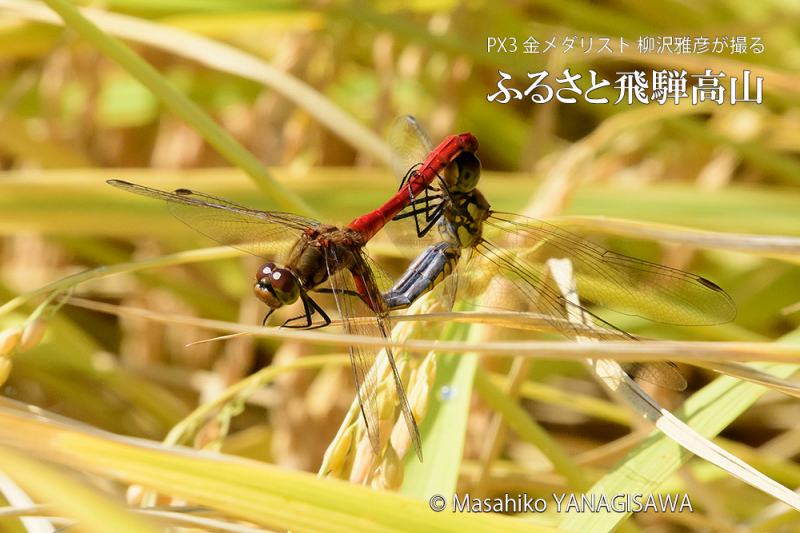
[565,503]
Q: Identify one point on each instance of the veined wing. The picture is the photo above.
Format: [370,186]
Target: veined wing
[621,283]
[516,284]
[500,278]
[383,281]
[344,284]
[410,145]
[267,234]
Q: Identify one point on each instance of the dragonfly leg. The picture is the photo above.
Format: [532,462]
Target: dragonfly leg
[433,212]
[409,174]
[326,320]
[430,219]
[427,270]
[288,323]
[266,317]
[326,290]
[404,183]
[427,199]
[310,307]
[416,211]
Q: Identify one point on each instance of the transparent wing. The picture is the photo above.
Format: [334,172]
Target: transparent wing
[409,143]
[615,281]
[361,358]
[500,279]
[410,146]
[383,281]
[516,285]
[449,290]
[360,280]
[265,234]
[662,373]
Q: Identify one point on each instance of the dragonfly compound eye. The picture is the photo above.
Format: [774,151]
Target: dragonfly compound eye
[276,286]
[469,172]
[265,270]
[285,285]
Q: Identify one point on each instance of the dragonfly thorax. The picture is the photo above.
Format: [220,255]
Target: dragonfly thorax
[317,254]
[462,220]
[276,286]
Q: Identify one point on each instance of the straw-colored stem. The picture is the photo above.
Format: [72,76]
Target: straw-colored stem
[204,125]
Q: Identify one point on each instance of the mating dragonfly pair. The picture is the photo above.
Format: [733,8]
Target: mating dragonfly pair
[439,190]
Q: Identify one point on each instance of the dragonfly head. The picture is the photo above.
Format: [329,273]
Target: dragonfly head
[468,171]
[276,286]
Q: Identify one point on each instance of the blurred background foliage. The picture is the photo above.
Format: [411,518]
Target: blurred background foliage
[70,118]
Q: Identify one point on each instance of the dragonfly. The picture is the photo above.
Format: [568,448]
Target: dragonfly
[303,254]
[509,252]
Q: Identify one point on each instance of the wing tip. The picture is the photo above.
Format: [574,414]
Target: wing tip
[416,441]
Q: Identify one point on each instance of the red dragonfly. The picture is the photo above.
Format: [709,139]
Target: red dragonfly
[509,252]
[303,254]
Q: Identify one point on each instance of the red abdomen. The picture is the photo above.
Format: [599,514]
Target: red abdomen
[441,156]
